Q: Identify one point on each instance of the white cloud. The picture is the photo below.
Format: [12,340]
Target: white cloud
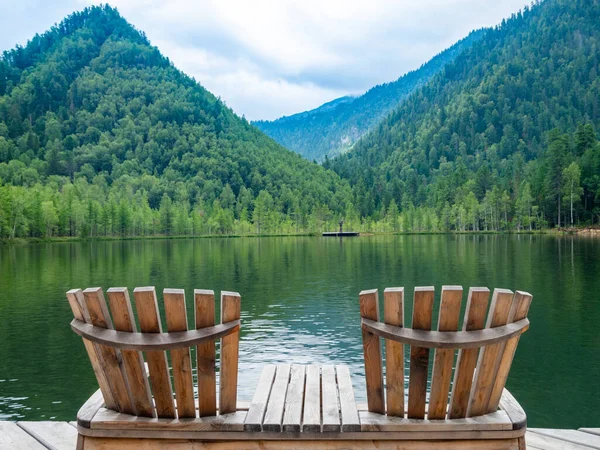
[267,58]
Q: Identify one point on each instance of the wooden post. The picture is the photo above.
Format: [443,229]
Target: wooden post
[467,358]
[230,310]
[419,356]
[181,359]
[369,309]
[147,308]
[122,314]
[393,314]
[205,354]
[444,357]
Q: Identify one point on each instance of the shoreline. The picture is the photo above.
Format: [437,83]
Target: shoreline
[587,231]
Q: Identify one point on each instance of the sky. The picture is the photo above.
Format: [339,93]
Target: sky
[269,58]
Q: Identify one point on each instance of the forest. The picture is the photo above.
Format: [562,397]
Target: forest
[510,125]
[100,135]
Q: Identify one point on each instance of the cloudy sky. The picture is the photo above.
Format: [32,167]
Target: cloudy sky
[268,58]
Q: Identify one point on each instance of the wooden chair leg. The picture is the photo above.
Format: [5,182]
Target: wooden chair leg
[80,442]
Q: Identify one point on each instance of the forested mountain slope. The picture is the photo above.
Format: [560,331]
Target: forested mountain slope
[503,136]
[335,126]
[101,134]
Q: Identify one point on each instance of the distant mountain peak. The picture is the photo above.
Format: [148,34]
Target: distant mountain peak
[335,126]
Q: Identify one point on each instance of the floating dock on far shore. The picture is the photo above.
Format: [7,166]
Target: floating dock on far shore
[340,234]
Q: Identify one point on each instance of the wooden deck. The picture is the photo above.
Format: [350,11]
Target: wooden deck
[63,436]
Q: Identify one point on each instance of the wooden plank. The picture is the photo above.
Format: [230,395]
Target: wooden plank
[149,318]
[348,409]
[419,356]
[205,354]
[53,435]
[230,310]
[467,358]
[133,362]
[595,431]
[344,443]
[89,409]
[181,359]
[393,314]
[296,437]
[329,399]
[490,422]
[258,406]
[111,358]
[489,357]
[539,441]
[311,418]
[276,404]
[571,436]
[292,417]
[519,309]
[369,309]
[77,304]
[444,357]
[13,437]
[111,420]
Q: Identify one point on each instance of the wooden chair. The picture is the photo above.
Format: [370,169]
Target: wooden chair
[152,405]
[473,411]
[125,406]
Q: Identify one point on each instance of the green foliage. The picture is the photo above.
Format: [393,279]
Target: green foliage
[521,104]
[101,135]
[334,127]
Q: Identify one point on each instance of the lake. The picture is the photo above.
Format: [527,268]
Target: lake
[300,304]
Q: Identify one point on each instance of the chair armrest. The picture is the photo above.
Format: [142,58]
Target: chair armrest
[516,413]
[89,409]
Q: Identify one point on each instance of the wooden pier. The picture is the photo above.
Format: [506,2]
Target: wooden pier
[340,233]
[50,435]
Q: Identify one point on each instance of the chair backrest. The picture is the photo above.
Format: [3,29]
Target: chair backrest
[485,350]
[116,350]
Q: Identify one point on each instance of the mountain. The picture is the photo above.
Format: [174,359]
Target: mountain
[334,127]
[101,135]
[503,136]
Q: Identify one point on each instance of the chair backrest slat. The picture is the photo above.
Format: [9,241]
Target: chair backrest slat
[176,317]
[230,310]
[475,313]
[487,364]
[112,359]
[393,314]
[369,309]
[443,360]
[76,301]
[133,361]
[419,356]
[204,306]
[519,309]
[148,315]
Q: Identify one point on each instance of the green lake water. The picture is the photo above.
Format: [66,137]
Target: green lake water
[300,305]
